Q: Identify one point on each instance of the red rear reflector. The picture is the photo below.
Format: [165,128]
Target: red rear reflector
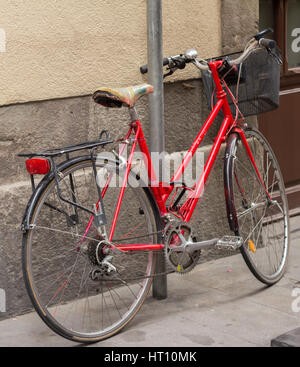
[37,166]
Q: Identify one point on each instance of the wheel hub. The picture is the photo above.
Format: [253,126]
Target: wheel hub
[95,251]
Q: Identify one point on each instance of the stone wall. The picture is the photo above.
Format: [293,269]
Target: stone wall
[38,125]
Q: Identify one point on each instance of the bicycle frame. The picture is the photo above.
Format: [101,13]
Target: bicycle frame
[161,191]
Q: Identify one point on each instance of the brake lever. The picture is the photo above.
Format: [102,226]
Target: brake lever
[169,73]
[173,66]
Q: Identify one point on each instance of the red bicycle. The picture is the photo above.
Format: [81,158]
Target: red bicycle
[93,229]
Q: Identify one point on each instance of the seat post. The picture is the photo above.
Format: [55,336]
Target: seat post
[133,114]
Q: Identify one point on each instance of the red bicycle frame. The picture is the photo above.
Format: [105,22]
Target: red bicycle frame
[161,191]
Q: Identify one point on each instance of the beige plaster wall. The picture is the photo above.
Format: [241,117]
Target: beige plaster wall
[57,49]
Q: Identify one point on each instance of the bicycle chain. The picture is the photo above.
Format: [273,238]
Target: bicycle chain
[116,241]
[32,226]
[138,278]
[136,237]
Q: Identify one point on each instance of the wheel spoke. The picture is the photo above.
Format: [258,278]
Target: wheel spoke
[84,291]
[263,222]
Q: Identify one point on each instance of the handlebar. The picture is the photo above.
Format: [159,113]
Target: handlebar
[263,42]
[144,68]
[179,61]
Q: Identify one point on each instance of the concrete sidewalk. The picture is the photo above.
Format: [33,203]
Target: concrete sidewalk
[220,303]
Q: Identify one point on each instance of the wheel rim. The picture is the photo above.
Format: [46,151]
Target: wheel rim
[262,225]
[59,273]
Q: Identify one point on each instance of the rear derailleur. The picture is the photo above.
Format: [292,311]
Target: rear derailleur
[104,271]
[99,255]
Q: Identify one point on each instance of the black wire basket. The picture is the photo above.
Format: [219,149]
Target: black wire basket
[255,83]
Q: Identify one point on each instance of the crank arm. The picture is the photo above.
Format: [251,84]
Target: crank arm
[190,247]
[194,246]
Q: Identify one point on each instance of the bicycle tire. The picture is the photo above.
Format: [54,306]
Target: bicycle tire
[34,270]
[241,189]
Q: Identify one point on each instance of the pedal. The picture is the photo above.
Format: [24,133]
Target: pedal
[229,243]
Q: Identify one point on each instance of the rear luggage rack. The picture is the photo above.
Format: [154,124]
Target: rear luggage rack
[55,152]
[43,166]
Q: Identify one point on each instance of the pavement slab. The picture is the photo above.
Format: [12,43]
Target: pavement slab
[219,303]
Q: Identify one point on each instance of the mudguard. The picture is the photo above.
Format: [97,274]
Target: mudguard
[228,181]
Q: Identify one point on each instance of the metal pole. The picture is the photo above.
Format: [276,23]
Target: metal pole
[156,112]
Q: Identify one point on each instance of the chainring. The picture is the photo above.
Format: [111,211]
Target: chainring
[176,256]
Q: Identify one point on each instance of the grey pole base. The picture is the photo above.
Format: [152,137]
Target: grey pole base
[156,112]
[290,339]
[159,288]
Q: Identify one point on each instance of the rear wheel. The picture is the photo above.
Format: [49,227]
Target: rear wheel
[78,294]
[262,224]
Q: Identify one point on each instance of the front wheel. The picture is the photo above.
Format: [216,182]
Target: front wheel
[79,292]
[263,224]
